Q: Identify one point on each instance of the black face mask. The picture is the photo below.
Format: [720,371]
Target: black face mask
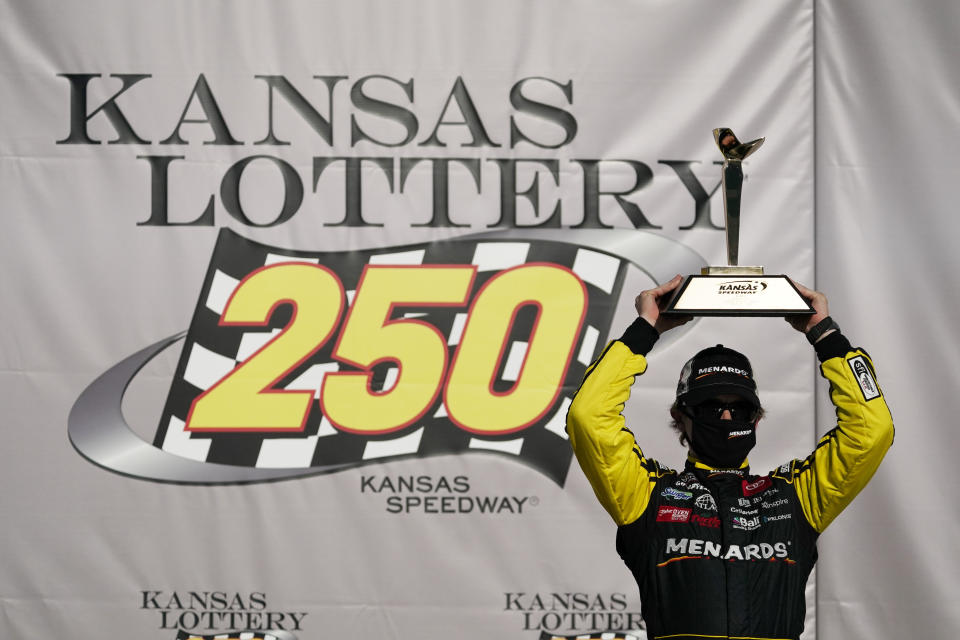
[723,444]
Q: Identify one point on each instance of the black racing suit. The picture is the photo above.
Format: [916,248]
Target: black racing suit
[724,553]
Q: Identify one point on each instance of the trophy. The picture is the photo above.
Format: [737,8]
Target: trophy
[736,290]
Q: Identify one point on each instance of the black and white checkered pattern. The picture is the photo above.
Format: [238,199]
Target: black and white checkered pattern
[606,635]
[236,635]
[212,351]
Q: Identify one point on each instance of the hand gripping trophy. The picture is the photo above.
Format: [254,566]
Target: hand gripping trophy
[735,290]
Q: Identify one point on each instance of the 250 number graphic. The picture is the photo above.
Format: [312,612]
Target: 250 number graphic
[246,400]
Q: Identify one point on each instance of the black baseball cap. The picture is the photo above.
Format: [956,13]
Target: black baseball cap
[716,371]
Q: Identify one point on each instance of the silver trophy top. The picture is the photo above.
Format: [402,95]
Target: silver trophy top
[734,152]
[732,149]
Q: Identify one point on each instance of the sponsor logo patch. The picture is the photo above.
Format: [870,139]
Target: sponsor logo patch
[736,472]
[689,481]
[747,524]
[676,494]
[865,379]
[722,369]
[673,514]
[707,548]
[706,502]
[760,484]
[781,516]
[713,522]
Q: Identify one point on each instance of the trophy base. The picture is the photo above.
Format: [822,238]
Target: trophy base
[731,271]
[735,294]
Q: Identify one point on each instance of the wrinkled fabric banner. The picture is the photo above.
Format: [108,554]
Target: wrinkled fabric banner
[885,252]
[297,296]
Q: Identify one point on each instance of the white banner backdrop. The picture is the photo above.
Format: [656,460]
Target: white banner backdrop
[886,169]
[134,133]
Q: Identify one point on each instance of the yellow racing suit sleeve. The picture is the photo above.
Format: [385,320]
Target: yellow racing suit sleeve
[848,455]
[622,478]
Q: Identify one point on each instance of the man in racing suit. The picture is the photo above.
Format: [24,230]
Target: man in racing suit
[718,552]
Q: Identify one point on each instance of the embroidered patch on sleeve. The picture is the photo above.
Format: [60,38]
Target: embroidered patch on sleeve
[865,379]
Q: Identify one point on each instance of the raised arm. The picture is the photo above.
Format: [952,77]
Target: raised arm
[848,455]
[621,476]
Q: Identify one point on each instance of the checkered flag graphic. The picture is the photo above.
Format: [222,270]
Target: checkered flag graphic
[237,635]
[211,352]
[606,635]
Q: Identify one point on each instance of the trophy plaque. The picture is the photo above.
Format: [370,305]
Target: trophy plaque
[735,290]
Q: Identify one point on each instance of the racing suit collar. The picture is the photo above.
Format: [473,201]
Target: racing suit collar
[695,465]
